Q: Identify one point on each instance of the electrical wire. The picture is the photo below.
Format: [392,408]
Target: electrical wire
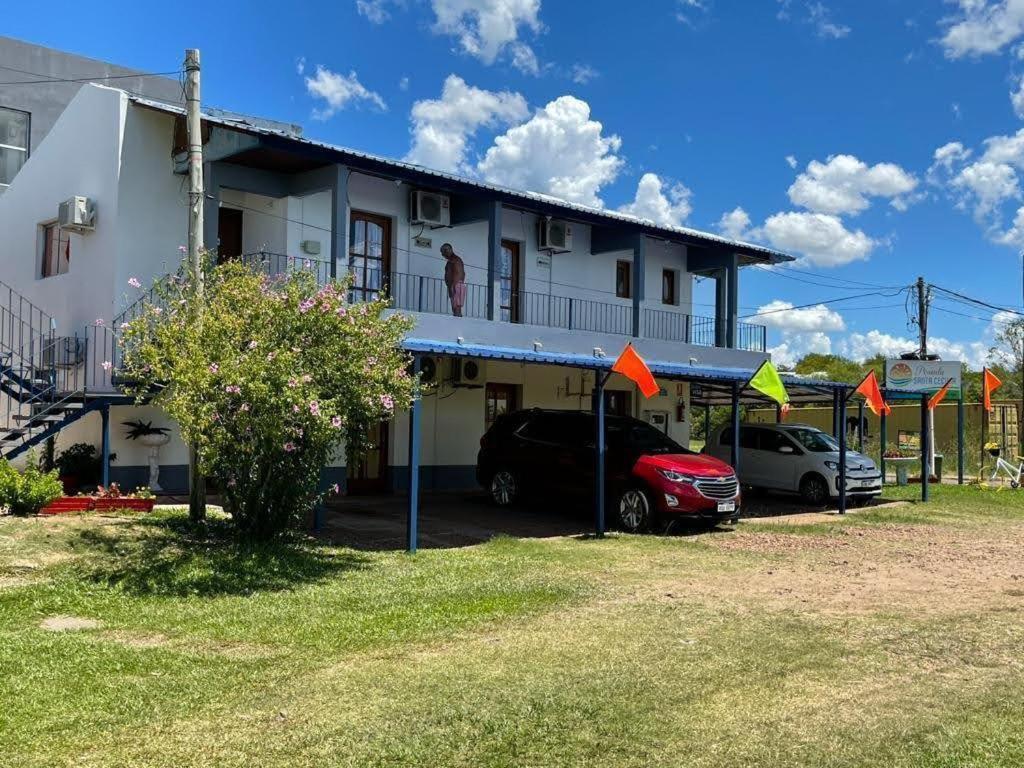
[836,282]
[49,80]
[823,302]
[978,302]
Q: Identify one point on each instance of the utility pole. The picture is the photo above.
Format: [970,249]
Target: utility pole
[196,200]
[923,299]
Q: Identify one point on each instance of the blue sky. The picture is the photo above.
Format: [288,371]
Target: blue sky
[875,140]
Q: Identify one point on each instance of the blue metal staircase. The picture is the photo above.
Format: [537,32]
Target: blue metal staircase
[48,381]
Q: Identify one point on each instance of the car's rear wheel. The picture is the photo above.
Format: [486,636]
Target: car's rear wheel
[814,490]
[504,488]
[634,510]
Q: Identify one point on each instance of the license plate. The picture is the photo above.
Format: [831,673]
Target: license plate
[727,506]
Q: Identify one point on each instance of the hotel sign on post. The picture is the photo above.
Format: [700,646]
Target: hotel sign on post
[924,376]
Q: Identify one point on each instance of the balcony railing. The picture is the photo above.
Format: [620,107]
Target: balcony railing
[421,293]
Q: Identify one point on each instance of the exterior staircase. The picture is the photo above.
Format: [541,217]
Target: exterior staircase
[48,381]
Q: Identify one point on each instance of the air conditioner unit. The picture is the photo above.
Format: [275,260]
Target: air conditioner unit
[429,208]
[465,373]
[554,236]
[77,214]
[63,352]
[428,370]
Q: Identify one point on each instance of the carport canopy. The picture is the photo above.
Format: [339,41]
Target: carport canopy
[710,386]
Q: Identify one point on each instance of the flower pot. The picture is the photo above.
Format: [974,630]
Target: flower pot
[70,483]
[155,440]
[135,505]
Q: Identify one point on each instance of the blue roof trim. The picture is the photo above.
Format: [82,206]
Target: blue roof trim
[658,367]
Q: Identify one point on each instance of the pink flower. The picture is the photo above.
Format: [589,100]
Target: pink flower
[233,389]
[244,407]
[306,378]
[307,305]
[293,382]
[271,355]
[341,311]
[314,408]
[335,489]
[289,447]
[158,310]
[182,249]
[124,326]
[336,422]
[295,409]
[214,368]
[107,365]
[253,344]
[99,322]
[388,402]
[134,282]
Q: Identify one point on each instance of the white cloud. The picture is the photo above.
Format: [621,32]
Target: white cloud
[338,91]
[666,207]
[486,28]
[300,65]
[820,238]
[560,151]
[988,185]
[795,346]
[983,27]
[949,155]
[688,10]
[583,73]
[844,183]
[403,84]
[816,14]
[441,128]
[860,346]
[791,161]
[735,224]
[782,315]
[376,11]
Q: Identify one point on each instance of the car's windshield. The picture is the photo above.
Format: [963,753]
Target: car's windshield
[813,440]
[642,438]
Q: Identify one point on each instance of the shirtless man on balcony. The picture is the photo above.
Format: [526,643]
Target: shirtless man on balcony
[454,278]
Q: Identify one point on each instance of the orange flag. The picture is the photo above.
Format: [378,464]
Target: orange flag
[632,366]
[873,394]
[937,397]
[990,383]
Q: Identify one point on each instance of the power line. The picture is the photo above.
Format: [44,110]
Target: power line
[47,79]
[822,276]
[978,302]
[824,302]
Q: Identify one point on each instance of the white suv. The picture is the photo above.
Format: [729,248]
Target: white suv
[797,458]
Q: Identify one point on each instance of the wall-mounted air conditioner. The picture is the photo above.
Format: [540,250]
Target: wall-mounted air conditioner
[554,236]
[77,214]
[429,208]
[465,373]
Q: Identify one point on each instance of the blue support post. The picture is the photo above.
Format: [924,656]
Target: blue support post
[735,452]
[733,305]
[493,260]
[413,520]
[599,450]
[925,449]
[960,437]
[639,270]
[841,402]
[721,307]
[105,445]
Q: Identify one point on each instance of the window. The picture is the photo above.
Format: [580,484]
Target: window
[618,403]
[499,399]
[773,440]
[623,270]
[13,144]
[668,287]
[55,253]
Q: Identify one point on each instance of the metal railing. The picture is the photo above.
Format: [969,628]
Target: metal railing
[280,264]
[666,325]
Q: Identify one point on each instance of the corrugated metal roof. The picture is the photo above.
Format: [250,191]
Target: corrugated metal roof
[533,198]
[666,369]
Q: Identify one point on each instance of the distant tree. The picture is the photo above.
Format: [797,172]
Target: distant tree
[831,367]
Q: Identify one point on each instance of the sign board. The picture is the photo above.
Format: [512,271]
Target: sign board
[908,440]
[924,375]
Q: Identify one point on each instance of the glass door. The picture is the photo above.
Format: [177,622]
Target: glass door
[369,256]
[509,281]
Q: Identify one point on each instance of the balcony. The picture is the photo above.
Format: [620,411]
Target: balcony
[419,293]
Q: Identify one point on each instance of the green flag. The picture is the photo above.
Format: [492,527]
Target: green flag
[767,381]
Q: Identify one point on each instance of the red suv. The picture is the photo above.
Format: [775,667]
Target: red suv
[650,477]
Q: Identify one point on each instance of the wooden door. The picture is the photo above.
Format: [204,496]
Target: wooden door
[370,473]
[499,399]
[229,234]
[509,281]
[369,255]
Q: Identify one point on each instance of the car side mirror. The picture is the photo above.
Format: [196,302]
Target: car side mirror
[785,449]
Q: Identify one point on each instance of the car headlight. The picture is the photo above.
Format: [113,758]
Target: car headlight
[833,465]
[676,477]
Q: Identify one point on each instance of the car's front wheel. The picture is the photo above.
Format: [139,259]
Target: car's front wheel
[504,488]
[634,510]
[814,490]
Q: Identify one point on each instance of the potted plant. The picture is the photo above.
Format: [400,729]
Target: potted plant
[153,438]
[77,465]
[900,458]
[111,497]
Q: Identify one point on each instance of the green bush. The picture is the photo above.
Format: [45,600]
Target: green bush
[25,493]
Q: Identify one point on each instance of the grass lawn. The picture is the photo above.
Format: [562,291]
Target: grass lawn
[892,637]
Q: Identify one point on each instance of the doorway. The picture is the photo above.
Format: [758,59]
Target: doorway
[369,255]
[229,234]
[509,281]
[369,474]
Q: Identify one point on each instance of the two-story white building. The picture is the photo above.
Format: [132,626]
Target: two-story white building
[552,290]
